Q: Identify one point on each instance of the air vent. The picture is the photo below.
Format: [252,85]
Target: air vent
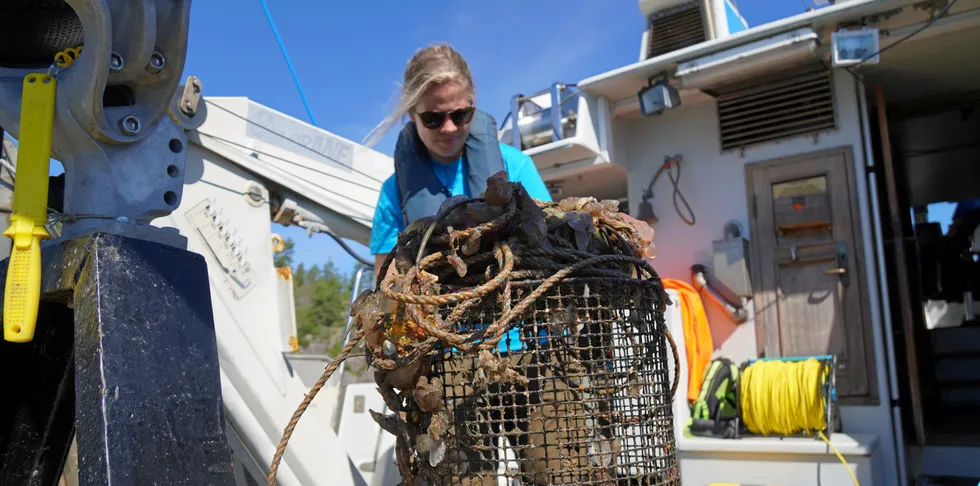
[776,110]
[675,28]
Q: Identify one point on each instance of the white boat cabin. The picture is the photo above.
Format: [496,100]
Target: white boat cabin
[824,169]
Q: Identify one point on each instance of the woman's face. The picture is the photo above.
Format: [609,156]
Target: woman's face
[448,103]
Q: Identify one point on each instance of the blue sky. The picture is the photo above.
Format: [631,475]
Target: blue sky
[350,56]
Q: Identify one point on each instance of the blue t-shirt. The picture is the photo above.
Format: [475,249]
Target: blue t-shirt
[388,219]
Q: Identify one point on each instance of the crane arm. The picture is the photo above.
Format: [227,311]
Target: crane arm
[312,175]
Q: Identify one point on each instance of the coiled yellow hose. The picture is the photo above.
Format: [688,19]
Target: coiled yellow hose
[786,398]
[783,397]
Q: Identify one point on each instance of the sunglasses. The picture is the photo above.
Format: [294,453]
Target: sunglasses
[435,119]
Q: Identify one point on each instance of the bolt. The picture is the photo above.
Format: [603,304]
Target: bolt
[129,125]
[157,62]
[255,193]
[116,62]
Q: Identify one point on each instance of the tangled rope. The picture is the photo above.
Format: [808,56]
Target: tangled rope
[503,238]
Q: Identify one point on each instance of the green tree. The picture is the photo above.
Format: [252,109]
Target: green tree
[285,257]
[322,302]
[299,275]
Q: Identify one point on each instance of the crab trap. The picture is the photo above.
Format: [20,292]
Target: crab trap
[521,341]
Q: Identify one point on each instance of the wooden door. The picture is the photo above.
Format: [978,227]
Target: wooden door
[810,291]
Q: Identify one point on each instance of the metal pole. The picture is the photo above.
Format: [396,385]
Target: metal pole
[515,117]
[350,320]
[339,374]
[556,127]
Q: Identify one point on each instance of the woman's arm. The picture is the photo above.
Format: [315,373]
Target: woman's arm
[387,223]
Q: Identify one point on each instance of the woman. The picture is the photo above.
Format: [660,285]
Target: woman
[449,147]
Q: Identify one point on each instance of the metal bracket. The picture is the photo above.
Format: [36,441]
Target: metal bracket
[123,155]
[186,106]
[286,212]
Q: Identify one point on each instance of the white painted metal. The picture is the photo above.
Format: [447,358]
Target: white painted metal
[623,82]
[238,158]
[364,440]
[739,63]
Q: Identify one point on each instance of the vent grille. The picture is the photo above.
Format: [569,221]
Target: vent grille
[675,29]
[776,110]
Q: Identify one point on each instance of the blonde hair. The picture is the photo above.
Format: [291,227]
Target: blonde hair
[430,66]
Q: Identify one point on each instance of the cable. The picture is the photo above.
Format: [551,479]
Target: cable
[349,250]
[678,196]
[942,13]
[290,162]
[324,189]
[313,226]
[6,164]
[785,398]
[289,63]
[305,224]
[321,154]
[675,180]
[336,238]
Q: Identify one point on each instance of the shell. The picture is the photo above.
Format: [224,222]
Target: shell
[403,377]
[428,396]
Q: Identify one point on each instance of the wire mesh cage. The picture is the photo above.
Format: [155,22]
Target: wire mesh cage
[588,400]
[523,342]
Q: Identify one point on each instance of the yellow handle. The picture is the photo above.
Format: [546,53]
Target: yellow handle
[22,291]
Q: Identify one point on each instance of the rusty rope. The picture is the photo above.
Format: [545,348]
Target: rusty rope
[480,291]
[327,373]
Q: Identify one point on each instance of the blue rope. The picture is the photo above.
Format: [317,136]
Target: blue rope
[289,63]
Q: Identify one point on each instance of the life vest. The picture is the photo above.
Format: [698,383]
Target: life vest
[420,191]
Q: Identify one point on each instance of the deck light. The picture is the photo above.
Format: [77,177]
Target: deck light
[658,96]
[853,47]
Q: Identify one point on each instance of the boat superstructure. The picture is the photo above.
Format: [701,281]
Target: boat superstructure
[818,171]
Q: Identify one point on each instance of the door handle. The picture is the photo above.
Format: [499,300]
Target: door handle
[841,270]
